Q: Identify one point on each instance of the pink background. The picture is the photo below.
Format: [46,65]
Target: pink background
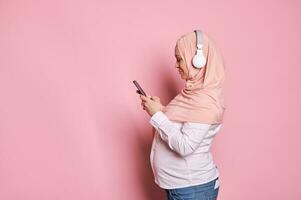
[71,124]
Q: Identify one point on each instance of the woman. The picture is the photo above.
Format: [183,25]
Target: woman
[184,129]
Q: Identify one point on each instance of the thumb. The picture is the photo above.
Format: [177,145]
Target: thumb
[155,98]
[147,97]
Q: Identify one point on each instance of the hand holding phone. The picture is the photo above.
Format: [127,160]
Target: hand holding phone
[140,90]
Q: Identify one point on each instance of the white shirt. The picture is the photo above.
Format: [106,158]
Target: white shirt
[180,155]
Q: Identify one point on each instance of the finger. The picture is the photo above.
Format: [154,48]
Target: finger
[141,97]
[144,98]
[155,98]
[142,104]
[145,104]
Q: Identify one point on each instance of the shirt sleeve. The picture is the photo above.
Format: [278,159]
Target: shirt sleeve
[184,140]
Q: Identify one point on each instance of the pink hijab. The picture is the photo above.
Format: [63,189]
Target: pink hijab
[202,99]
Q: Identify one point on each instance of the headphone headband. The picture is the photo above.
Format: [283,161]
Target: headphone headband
[199,38]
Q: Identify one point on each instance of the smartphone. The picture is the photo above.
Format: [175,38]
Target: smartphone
[140,90]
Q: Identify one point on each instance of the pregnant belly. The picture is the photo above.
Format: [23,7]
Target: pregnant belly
[165,159]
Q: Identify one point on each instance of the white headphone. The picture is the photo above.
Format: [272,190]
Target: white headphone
[199,59]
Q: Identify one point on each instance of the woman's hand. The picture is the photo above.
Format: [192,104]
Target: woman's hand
[151,104]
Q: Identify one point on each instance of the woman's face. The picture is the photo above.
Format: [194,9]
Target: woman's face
[180,64]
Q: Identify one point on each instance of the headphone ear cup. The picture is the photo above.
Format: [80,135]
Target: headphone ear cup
[199,61]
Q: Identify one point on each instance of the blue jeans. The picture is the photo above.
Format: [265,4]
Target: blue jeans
[198,192]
